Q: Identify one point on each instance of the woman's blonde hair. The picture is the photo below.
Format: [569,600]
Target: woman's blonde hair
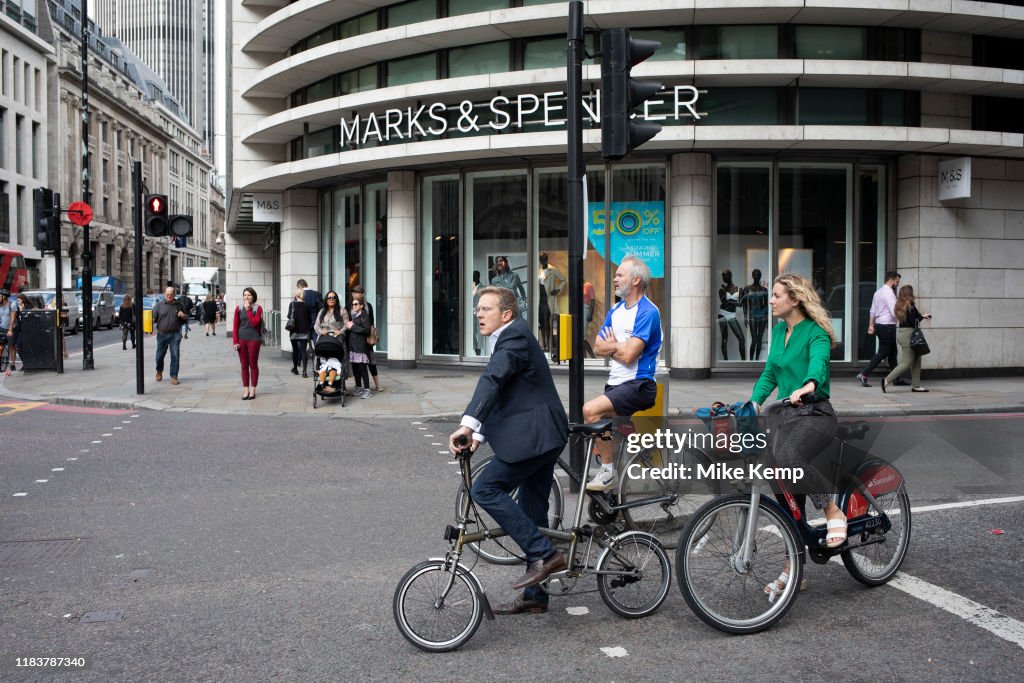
[904,302]
[802,291]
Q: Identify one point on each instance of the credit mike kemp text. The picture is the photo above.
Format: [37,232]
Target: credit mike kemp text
[719,470]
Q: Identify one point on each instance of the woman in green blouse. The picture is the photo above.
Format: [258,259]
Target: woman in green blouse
[798,365]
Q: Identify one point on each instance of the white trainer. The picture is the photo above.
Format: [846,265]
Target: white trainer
[604,480]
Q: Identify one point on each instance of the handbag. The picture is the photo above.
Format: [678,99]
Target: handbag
[290,325]
[372,338]
[918,344]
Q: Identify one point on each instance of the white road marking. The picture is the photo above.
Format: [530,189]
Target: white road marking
[453,462]
[84,450]
[57,469]
[106,434]
[441,452]
[126,422]
[134,416]
[615,651]
[422,428]
[42,481]
[72,459]
[417,423]
[577,611]
[116,428]
[967,504]
[429,436]
[436,443]
[98,441]
[19,495]
[998,624]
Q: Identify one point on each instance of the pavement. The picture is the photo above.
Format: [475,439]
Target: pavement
[211,383]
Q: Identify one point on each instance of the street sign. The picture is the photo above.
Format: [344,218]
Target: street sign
[80,213]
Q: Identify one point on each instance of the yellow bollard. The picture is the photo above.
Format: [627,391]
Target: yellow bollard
[147,320]
[564,337]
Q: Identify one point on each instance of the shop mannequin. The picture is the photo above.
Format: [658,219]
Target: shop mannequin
[755,312]
[505,277]
[729,298]
[551,282]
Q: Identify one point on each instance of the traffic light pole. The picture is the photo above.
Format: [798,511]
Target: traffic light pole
[574,108]
[87,358]
[140,360]
[58,301]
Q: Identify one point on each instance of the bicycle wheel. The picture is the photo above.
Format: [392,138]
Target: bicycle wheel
[729,599]
[665,519]
[646,575]
[427,621]
[3,357]
[504,550]
[876,563]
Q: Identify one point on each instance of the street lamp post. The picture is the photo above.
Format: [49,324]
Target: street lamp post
[87,357]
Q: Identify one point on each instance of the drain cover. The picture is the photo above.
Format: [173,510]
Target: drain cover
[42,551]
[94,617]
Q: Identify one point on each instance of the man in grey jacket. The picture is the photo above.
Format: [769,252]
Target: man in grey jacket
[168,315]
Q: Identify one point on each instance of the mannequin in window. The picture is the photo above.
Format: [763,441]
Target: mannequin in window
[504,277]
[478,339]
[729,301]
[755,312]
[551,283]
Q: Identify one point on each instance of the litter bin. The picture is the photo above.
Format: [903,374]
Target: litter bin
[38,334]
[147,320]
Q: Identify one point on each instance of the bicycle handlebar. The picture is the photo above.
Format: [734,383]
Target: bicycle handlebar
[775,406]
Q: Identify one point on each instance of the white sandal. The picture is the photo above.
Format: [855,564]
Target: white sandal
[835,529]
[776,587]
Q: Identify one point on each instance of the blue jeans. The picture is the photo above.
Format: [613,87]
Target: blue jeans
[164,340]
[491,491]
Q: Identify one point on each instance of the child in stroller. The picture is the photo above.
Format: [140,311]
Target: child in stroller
[329,369]
[332,366]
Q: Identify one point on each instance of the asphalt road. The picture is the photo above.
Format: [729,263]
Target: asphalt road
[249,549]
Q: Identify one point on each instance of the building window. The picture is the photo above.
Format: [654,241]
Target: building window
[544,53]
[489,58]
[673,43]
[830,42]
[739,42]
[411,12]
[5,211]
[19,162]
[439,270]
[374,273]
[1003,114]
[364,23]
[741,106]
[358,80]
[413,69]
[457,7]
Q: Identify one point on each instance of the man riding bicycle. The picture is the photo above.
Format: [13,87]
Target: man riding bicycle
[631,338]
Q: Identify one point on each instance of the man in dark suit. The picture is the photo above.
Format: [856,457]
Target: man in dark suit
[517,410]
[314,301]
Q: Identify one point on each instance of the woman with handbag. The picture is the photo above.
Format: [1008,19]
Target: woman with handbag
[298,332]
[210,315]
[359,348]
[126,318]
[908,318]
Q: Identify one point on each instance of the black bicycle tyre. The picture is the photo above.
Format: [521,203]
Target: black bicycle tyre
[691,493]
[464,622]
[504,550]
[653,560]
[4,357]
[858,569]
[692,572]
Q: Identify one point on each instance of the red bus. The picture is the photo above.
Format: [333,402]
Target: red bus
[13,270]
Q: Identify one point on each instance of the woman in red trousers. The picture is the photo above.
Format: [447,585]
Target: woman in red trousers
[247,338]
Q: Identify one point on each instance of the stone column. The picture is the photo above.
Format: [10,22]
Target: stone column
[690,275]
[403,320]
[300,244]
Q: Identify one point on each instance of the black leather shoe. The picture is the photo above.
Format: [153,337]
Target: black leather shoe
[538,570]
[521,606]
[295,371]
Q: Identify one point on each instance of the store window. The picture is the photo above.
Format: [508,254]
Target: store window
[457,7]
[340,239]
[833,107]
[413,69]
[739,42]
[544,53]
[374,273]
[496,215]
[439,268]
[489,58]
[870,262]
[411,12]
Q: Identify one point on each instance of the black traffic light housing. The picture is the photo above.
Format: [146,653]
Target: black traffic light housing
[620,93]
[156,215]
[47,220]
[180,225]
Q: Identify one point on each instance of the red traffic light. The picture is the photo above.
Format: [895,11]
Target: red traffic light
[156,215]
[155,204]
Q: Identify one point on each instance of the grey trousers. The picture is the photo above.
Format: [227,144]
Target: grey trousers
[801,433]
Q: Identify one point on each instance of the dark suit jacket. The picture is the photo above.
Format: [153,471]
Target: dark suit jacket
[516,400]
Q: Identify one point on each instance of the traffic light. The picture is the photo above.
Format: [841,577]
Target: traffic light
[47,218]
[156,215]
[180,225]
[620,93]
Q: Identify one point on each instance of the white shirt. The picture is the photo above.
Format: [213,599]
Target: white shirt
[472,422]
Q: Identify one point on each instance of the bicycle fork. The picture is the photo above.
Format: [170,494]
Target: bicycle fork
[743,559]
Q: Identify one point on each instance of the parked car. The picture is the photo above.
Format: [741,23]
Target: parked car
[72,317]
[102,308]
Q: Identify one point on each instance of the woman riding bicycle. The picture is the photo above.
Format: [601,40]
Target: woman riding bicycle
[798,365]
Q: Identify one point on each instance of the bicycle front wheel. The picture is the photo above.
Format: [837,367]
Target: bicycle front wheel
[642,578]
[720,591]
[3,357]
[429,618]
[653,474]
[876,562]
[504,550]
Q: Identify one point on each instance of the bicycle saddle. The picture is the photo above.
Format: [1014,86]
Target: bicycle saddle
[592,429]
[852,431]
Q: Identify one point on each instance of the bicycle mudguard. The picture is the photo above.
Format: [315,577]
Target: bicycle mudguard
[879,477]
[485,604]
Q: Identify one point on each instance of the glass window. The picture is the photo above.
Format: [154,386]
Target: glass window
[739,42]
[358,80]
[365,23]
[323,142]
[320,38]
[870,256]
[739,106]
[831,42]
[833,107]
[411,12]
[544,53]
[997,113]
[673,43]
[413,69]
[488,58]
[892,108]
[321,90]
[457,7]
[527,3]
[440,266]
[345,228]
[742,261]
[375,252]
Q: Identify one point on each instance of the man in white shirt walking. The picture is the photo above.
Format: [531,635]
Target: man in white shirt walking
[882,323]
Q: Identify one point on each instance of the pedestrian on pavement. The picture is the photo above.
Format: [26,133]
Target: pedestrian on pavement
[221,308]
[186,305]
[298,316]
[126,318]
[882,323]
[210,315]
[8,316]
[168,316]
[516,408]
[798,366]
[358,348]
[24,304]
[247,336]
[332,317]
[359,294]
[908,318]
[631,339]
[314,302]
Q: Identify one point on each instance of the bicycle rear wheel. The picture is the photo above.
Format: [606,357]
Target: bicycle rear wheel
[725,597]
[645,576]
[665,519]
[4,358]
[425,619]
[876,563]
[504,550]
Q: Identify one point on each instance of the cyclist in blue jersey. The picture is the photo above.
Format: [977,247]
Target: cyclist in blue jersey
[631,338]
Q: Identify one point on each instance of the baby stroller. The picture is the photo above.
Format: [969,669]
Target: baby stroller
[330,347]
